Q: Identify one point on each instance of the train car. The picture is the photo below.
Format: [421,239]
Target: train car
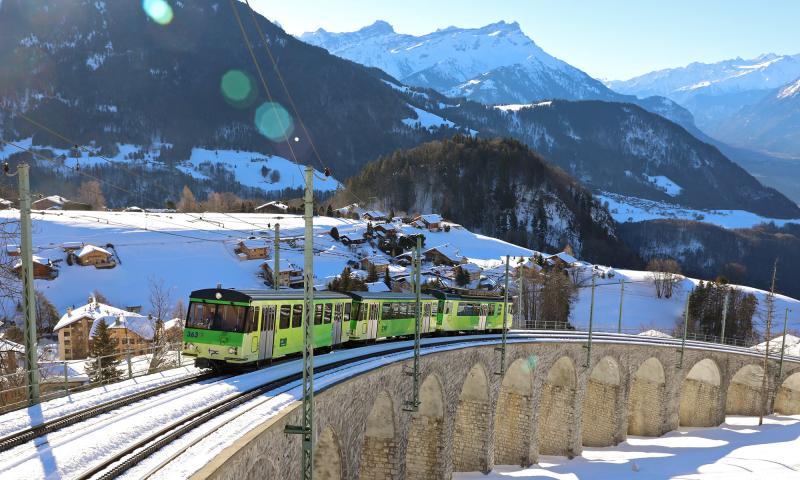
[385,315]
[464,313]
[238,327]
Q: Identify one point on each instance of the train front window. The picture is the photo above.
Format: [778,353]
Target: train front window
[227,318]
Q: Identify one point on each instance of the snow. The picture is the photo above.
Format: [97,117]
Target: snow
[792,346]
[426,119]
[87,249]
[515,107]
[631,209]
[377,287]
[737,449]
[94,311]
[664,183]
[790,90]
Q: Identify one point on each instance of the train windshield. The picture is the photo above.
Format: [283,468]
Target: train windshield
[227,318]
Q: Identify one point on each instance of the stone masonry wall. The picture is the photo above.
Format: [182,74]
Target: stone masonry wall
[645,408]
[423,453]
[555,420]
[743,400]
[511,423]
[377,459]
[600,414]
[699,404]
[787,402]
[469,439]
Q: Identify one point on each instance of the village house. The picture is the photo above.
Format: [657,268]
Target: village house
[6,204]
[289,275]
[12,356]
[97,256]
[375,216]
[386,229]
[43,268]
[129,331]
[57,202]
[431,221]
[381,264]
[12,250]
[472,270]
[444,255]
[560,260]
[272,207]
[253,249]
[350,210]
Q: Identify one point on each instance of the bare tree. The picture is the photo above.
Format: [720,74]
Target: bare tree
[665,272]
[160,301]
[187,202]
[10,285]
[91,193]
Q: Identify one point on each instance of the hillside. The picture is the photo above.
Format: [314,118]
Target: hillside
[497,188]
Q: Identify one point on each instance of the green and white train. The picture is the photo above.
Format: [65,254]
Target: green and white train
[228,327]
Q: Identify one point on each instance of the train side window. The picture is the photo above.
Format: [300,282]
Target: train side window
[297,316]
[347,312]
[404,310]
[328,311]
[251,320]
[337,312]
[318,314]
[363,311]
[386,311]
[286,312]
[269,318]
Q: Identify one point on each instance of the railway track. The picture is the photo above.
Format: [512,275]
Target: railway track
[50,426]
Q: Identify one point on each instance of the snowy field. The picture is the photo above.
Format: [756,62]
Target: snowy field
[737,449]
[194,251]
[631,209]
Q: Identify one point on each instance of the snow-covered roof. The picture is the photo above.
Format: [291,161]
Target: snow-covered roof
[12,249]
[448,251]
[431,218]
[253,243]
[386,226]
[377,260]
[87,249]
[284,264]
[9,346]
[470,268]
[36,259]
[139,324]
[134,208]
[565,257]
[94,311]
[57,199]
[276,204]
[7,203]
[377,287]
[374,214]
[175,322]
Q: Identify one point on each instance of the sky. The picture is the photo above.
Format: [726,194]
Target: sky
[609,39]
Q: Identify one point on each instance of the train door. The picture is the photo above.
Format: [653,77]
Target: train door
[372,322]
[484,310]
[336,332]
[267,332]
[426,318]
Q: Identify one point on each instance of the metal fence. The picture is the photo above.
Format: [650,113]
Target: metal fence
[64,377]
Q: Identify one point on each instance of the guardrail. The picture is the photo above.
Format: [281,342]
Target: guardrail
[63,377]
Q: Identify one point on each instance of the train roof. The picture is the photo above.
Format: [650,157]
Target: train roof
[235,295]
[387,296]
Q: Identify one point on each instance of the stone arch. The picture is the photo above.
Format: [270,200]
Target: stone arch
[328,456]
[379,448]
[744,391]
[601,404]
[646,400]
[471,430]
[512,438]
[557,409]
[424,449]
[787,402]
[700,392]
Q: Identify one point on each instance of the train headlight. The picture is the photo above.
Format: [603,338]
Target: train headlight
[233,350]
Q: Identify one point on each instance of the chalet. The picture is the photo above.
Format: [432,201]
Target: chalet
[12,356]
[431,221]
[129,331]
[472,270]
[375,216]
[69,247]
[43,268]
[386,229]
[272,207]
[527,266]
[444,255]
[6,204]
[96,256]
[12,250]
[381,264]
[253,249]
[560,260]
[348,240]
[289,274]
[57,202]
[350,210]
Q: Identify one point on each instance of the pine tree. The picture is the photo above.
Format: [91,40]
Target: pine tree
[329,211]
[372,274]
[462,277]
[102,366]
[387,279]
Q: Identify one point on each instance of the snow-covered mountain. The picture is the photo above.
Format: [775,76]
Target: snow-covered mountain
[494,64]
[714,92]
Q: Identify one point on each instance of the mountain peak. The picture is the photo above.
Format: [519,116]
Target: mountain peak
[380,27]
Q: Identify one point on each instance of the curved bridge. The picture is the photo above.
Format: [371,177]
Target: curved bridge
[547,403]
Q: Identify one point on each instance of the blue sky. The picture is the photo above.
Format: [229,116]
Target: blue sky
[613,39]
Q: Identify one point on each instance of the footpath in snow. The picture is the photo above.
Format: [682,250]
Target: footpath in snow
[737,449]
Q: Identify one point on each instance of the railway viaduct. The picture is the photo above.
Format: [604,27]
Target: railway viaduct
[470,418]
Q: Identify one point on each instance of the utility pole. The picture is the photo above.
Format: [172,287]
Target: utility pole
[591,325]
[502,348]
[767,333]
[621,295]
[276,257]
[685,330]
[725,314]
[307,428]
[783,343]
[28,292]
[413,404]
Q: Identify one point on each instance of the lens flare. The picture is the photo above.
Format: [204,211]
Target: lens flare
[158,10]
[274,122]
[238,88]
